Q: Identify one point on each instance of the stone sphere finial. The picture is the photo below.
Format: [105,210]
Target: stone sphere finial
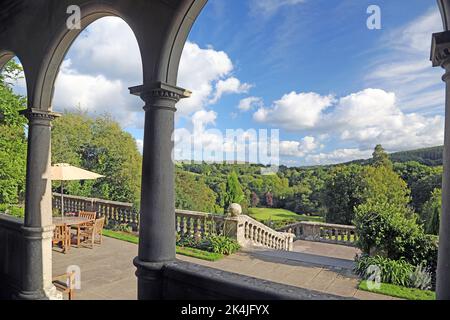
[235,209]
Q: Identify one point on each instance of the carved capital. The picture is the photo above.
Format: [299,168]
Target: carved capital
[440,49]
[160,95]
[40,117]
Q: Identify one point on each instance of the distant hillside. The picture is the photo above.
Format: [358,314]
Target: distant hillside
[427,156]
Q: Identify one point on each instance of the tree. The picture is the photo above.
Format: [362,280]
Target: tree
[191,193]
[384,229]
[422,189]
[343,191]
[431,212]
[233,191]
[99,145]
[13,143]
[383,185]
[269,199]
[380,157]
[255,199]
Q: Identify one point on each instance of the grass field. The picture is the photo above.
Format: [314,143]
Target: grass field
[264,214]
[400,292]
[190,252]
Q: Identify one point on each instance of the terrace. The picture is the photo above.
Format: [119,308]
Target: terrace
[37,32]
[323,264]
[318,267]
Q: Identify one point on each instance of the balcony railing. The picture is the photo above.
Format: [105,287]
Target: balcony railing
[244,229]
[119,212]
[323,232]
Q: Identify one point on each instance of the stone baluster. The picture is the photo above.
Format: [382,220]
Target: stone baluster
[202,227]
[182,228]
[195,227]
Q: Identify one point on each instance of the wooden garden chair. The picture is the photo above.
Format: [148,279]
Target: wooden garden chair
[92,233]
[87,214]
[65,283]
[91,215]
[61,236]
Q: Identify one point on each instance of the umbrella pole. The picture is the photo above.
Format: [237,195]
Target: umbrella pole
[62,199]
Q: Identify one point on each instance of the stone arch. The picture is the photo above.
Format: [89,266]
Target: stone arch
[176,39]
[45,84]
[5,56]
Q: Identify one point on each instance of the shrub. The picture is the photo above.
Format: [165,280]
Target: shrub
[122,227]
[278,224]
[211,243]
[384,227]
[220,244]
[421,278]
[397,272]
[13,210]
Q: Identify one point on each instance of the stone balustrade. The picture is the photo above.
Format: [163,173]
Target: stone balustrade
[257,233]
[323,232]
[244,229]
[119,212]
[11,255]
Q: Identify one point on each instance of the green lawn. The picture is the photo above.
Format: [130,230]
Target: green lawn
[400,292]
[190,252]
[264,214]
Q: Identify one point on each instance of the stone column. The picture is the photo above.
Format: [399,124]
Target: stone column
[38,226]
[157,216]
[440,56]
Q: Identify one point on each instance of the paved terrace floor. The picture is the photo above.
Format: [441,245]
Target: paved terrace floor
[107,271]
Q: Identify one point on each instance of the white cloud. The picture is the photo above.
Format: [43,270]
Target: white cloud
[295,111]
[140,145]
[105,60]
[298,148]
[230,85]
[269,7]
[373,116]
[202,118]
[365,118]
[338,156]
[206,72]
[406,70]
[95,94]
[108,47]
[250,103]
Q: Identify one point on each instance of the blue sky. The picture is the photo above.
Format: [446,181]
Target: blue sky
[310,68]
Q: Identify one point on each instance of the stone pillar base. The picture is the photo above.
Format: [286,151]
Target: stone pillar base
[150,279]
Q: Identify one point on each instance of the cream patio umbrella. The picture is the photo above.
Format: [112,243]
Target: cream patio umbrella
[66,172]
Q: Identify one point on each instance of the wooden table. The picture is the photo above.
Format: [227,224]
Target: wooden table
[75,222]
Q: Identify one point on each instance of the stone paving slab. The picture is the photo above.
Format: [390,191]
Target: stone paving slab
[107,271]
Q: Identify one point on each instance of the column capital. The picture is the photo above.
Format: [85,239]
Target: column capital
[38,116]
[440,49]
[160,95]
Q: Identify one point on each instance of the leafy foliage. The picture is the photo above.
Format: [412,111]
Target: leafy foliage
[98,145]
[212,243]
[12,210]
[342,193]
[397,272]
[13,143]
[391,271]
[192,193]
[431,212]
[233,191]
[381,158]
